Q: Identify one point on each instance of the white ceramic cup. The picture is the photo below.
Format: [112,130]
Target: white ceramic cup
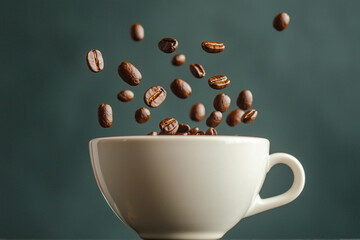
[187,187]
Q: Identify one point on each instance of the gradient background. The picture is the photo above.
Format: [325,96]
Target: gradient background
[305,82]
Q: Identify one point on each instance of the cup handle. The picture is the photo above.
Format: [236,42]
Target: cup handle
[260,205]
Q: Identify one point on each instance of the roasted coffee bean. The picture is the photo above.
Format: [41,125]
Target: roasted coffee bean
[197,70]
[214,119]
[178,59]
[125,95]
[169,126]
[212,47]
[181,133]
[197,112]
[245,99]
[200,133]
[183,128]
[193,131]
[211,131]
[155,96]
[249,116]
[95,60]
[180,88]
[105,115]
[129,73]
[281,21]
[153,133]
[137,32]
[142,115]
[219,82]
[222,102]
[168,45]
[234,117]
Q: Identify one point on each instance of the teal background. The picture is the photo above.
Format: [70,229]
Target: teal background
[305,82]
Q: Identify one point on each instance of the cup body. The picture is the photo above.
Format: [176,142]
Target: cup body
[180,187]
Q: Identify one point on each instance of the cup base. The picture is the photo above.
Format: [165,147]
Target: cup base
[180,238]
[183,236]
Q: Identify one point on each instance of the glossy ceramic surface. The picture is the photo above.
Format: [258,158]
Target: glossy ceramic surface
[187,187]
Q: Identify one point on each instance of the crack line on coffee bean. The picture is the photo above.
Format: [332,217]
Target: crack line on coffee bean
[153,97]
[96,60]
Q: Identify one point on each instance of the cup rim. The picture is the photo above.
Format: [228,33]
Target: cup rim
[181,137]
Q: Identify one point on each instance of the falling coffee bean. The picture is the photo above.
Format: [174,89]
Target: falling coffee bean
[183,128]
[180,88]
[178,59]
[168,45]
[245,99]
[169,126]
[193,131]
[249,116]
[218,82]
[222,102]
[211,131]
[153,133]
[142,115]
[197,70]
[154,96]
[105,115]
[234,117]
[125,95]
[212,47]
[214,119]
[95,60]
[181,133]
[137,32]
[281,21]
[197,112]
[200,133]
[129,73]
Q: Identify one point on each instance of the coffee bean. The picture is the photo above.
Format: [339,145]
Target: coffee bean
[155,96]
[281,21]
[245,99]
[249,116]
[169,126]
[105,115]
[200,133]
[168,45]
[193,131]
[212,47]
[218,82]
[197,112]
[95,60]
[180,88]
[137,32]
[234,117]
[153,133]
[221,102]
[125,95]
[142,115]
[197,70]
[214,119]
[129,73]
[183,128]
[181,133]
[178,59]
[211,131]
